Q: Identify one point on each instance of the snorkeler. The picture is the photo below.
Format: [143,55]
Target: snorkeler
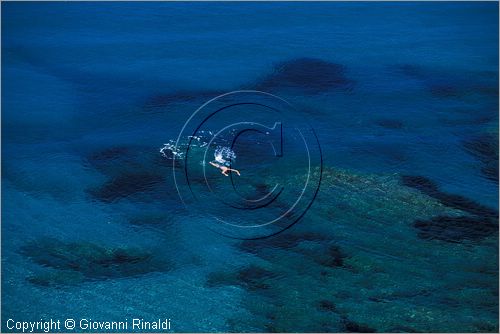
[225,169]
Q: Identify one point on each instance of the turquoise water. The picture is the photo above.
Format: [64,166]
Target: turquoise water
[403,97]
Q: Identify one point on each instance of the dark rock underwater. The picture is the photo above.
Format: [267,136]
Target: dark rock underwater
[72,263]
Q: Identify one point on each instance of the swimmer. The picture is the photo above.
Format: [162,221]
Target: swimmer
[224,169]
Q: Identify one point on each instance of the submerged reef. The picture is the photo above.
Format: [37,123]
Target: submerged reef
[307,75]
[310,75]
[279,241]
[459,202]
[329,274]
[456,229]
[162,100]
[391,124]
[131,172]
[447,84]
[113,160]
[485,149]
[56,278]
[477,223]
[327,306]
[74,262]
[250,278]
[350,326]
[332,257]
[125,185]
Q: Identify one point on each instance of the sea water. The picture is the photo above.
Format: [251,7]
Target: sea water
[95,95]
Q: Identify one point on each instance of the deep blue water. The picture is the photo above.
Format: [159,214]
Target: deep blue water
[403,235]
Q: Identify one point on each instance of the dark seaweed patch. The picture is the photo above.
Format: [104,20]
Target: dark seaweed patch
[448,84]
[270,328]
[221,278]
[326,305]
[76,261]
[437,85]
[255,278]
[109,154]
[490,171]
[485,149]
[467,205]
[56,278]
[443,90]
[131,170]
[431,189]
[395,153]
[483,221]
[262,189]
[280,241]
[162,100]
[111,160]
[116,160]
[390,124]
[456,229]
[250,278]
[126,185]
[310,75]
[350,326]
[487,327]
[469,116]
[156,219]
[402,329]
[333,257]
[421,183]
[376,299]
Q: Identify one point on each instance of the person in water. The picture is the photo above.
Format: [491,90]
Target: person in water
[224,169]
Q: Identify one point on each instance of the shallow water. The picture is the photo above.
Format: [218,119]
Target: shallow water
[403,235]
